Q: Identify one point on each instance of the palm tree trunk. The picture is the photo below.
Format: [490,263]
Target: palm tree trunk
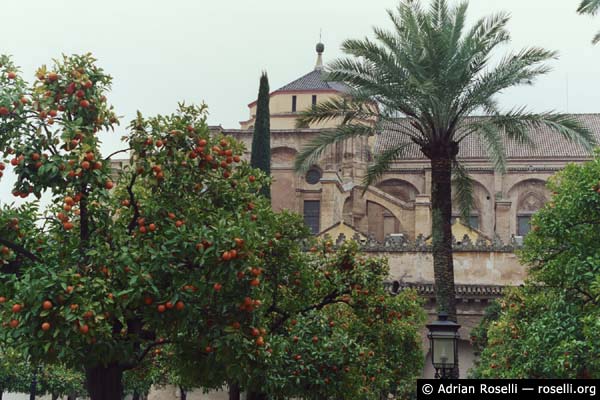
[441,230]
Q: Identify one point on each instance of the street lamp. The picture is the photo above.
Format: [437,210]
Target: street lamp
[443,336]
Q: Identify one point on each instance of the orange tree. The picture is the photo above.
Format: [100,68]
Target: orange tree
[183,252]
[103,279]
[326,329]
[364,344]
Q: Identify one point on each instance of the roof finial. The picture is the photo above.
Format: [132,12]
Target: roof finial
[320,49]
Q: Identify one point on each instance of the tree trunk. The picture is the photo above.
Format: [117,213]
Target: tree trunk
[54,396]
[234,391]
[136,396]
[441,231]
[104,383]
[33,387]
[182,393]
[69,397]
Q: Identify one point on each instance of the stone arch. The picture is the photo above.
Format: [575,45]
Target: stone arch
[283,156]
[527,183]
[399,188]
[527,197]
[382,221]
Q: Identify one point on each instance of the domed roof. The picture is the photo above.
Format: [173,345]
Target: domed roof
[314,80]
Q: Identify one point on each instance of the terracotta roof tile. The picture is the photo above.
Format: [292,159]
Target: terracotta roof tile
[546,143]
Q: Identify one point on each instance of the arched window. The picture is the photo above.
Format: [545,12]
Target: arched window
[529,203]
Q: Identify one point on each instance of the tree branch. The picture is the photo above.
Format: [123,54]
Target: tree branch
[136,210]
[143,355]
[331,298]
[116,152]
[19,249]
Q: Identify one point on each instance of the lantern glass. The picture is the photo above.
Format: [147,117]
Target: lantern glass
[443,350]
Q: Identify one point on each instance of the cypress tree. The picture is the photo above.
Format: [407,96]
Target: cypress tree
[261,140]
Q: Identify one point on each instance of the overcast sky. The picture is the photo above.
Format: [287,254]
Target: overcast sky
[160,52]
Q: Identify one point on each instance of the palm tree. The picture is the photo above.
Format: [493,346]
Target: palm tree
[434,73]
[590,7]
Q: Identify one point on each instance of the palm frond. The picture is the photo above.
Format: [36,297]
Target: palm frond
[382,163]
[491,136]
[460,16]
[589,7]
[570,128]
[312,152]
[518,123]
[463,186]
[439,13]
[336,108]
[513,70]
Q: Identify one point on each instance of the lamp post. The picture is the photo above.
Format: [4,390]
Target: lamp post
[443,336]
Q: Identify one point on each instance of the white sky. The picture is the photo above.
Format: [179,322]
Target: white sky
[161,52]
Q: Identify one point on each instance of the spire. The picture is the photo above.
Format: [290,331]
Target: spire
[320,49]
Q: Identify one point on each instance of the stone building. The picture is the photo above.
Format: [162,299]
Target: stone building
[393,217]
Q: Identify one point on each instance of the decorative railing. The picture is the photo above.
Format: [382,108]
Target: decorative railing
[472,291]
[398,243]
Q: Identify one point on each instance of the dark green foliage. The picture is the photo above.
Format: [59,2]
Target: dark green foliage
[261,141]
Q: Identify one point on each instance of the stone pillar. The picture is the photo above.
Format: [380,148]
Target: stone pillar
[427,188]
[389,223]
[423,215]
[331,212]
[359,211]
[498,185]
[503,216]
